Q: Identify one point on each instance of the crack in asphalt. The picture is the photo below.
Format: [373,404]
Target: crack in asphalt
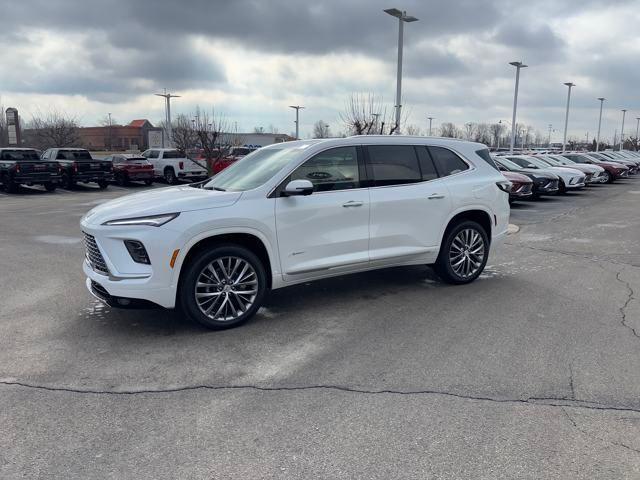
[587,434]
[623,308]
[571,386]
[593,258]
[534,401]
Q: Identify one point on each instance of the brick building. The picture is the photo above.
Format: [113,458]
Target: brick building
[116,137]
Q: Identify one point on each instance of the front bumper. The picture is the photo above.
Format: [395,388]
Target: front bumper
[546,187]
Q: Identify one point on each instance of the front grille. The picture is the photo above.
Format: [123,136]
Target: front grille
[526,188]
[625,173]
[94,256]
[553,184]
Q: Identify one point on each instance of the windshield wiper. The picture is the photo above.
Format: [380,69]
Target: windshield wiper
[219,189]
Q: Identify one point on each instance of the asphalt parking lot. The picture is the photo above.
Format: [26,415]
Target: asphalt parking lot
[533,371]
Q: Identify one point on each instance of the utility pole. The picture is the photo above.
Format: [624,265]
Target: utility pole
[566,117]
[518,66]
[602,99]
[402,17]
[297,122]
[430,120]
[624,112]
[549,140]
[167,111]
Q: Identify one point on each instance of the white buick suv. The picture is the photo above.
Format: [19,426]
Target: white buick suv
[295,212]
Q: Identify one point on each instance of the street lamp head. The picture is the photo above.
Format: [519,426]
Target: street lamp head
[569,84]
[624,110]
[295,106]
[518,64]
[394,12]
[602,99]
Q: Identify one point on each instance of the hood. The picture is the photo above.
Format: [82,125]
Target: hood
[611,163]
[539,173]
[568,170]
[158,201]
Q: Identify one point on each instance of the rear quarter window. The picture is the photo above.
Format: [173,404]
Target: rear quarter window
[447,162]
[484,154]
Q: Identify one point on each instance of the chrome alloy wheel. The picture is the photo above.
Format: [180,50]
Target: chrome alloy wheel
[466,253]
[226,288]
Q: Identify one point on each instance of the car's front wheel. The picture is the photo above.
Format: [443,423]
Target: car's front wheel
[223,287]
[50,186]
[170,176]
[608,178]
[463,253]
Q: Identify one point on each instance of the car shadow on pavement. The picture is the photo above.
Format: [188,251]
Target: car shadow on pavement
[280,305]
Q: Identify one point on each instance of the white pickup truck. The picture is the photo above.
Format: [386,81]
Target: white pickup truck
[170,164]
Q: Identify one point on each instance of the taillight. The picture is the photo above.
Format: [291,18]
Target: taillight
[181,165]
[75,167]
[17,168]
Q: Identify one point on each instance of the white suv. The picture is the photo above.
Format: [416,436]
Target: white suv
[170,164]
[295,212]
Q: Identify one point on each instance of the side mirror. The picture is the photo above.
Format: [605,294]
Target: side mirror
[298,187]
[531,165]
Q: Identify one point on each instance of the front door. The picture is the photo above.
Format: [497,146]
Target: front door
[326,231]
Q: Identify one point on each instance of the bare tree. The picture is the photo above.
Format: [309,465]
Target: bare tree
[469,129]
[212,133]
[321,130]
[496,133]
[482,134]
[272,129]
[4,137]
[448,129]
[413,130]
[52,129]
[183,134]
[258,129]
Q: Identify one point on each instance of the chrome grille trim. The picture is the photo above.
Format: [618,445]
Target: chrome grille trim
[94,257]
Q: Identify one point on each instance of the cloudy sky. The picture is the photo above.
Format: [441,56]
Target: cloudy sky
[252,58]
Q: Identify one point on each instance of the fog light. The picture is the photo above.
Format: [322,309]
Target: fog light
[137,251]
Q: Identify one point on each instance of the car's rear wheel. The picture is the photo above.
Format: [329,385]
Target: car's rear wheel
[66,182]
[170,176]
[148,182]
[463,253]
[121,179]
[102,184]
[9,185]
[223,287]
[50,187]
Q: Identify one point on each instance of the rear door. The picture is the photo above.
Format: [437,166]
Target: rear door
[409,204]
[328,230]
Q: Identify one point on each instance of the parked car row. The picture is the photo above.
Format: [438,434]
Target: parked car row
[65,167]
[539,173]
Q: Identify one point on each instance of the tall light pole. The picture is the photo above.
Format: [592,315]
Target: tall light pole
[402,17]
[167,106]
[297,107]
[566,116]
[518,66]
[110,141]
[637,130]
[549,139]
[602,99]
[430,120]
[624,112]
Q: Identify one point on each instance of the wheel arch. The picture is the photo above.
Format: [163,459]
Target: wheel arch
[252,241]
[478,215]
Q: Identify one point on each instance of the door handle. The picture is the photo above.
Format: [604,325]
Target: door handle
[435,196]
[352,203]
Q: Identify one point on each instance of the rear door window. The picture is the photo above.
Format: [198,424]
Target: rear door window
[394,164]
[447,162]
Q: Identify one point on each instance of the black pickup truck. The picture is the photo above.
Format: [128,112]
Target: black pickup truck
[23,166]
[77,165]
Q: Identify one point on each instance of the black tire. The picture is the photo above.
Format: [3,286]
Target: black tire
[121,179]
[562,188]
[170,176]
[9,185]
[50,187]
[443,265]
[148,182]
[608,176]
[66,182]
[192,272]
[102,184]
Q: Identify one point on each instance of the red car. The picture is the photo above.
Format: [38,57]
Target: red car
[235,154]
[612,170]
[127,168]
[521,186]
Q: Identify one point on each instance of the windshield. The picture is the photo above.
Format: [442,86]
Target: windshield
[508,163]
[547,161]
[74,155]
[19,155]
[253,170]
[524,162]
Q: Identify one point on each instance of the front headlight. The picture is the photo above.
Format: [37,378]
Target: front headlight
[150,221]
